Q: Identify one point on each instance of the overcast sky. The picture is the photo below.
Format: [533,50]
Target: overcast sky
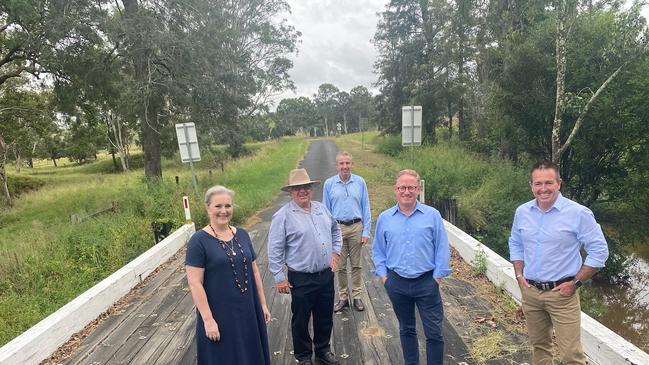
[335,45]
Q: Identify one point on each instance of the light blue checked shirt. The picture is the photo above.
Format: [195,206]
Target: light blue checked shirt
[549,243]
[302,240]
[348,200]
[411,245]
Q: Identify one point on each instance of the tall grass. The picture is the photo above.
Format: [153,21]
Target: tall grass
[45,261]
[487,190]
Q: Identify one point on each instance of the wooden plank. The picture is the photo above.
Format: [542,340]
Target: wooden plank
[159,298]
[114,320]
[161,338]
[154,331]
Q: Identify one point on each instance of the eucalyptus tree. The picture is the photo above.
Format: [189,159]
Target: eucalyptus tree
[296,115]
[326,103]
[24,118]
[236,59]
[33,34]
[361,106]
[417,61]
[627,45]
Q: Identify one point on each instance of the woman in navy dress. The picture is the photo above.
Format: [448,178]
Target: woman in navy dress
[231,311]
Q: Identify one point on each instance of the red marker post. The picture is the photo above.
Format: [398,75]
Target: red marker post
[188,215]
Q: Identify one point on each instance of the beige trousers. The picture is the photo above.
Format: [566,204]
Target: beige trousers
[352,249]
[545,310]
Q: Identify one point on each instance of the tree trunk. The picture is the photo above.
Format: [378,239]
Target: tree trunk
[3,174]
[54,160]
[562,35]
[151,100]
[112,154]
[326,126]
[450,119]
[150,139]
[464,131]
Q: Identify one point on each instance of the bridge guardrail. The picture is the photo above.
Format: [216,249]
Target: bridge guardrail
[601,345]
[41,340]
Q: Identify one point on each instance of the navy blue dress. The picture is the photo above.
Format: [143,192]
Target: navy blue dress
[239,316]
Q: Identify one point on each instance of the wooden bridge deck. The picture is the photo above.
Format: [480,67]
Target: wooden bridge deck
[155,323]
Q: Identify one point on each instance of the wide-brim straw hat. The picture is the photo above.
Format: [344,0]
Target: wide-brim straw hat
[299,177]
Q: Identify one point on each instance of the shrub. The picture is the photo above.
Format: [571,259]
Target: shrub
[19,184]
[389,144]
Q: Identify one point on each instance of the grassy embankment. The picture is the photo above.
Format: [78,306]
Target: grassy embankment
[45,261]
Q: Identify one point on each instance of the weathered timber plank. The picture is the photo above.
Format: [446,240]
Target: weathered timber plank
[114,320]
[152,337]
[126,337]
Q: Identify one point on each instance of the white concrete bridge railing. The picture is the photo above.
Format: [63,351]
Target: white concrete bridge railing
[601,345]
[40,341]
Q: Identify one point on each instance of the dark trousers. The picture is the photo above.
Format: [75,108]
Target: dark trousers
[424,293]
[311,295]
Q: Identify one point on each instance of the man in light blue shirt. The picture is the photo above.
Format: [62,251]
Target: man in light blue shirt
[305,238]
[547,235]
[411,255]
[346,197]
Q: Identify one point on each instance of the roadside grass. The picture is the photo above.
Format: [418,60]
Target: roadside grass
[45,261]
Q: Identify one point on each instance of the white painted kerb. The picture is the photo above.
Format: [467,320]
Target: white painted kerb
[601,345]
[40,341]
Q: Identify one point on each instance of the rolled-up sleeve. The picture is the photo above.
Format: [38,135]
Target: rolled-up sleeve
[379,248]
[365,209]
[592,237]
[516,250]
[336,237]
[442,251]
[277,246]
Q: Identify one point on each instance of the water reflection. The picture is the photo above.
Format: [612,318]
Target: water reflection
[623,308]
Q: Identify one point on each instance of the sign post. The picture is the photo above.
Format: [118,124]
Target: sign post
[411,127]
[362,121]
[188,144]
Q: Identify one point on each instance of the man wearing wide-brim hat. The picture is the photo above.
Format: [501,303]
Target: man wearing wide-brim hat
[305,238]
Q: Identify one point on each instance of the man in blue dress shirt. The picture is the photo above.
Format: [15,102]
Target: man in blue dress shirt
[305,238]
[547,235]
[411,255]
[345,195]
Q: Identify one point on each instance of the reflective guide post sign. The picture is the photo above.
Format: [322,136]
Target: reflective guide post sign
[411,125]
[188,142]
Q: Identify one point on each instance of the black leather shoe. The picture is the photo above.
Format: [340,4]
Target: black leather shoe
[328,358]
[340,305]
[358,305]
[305,362]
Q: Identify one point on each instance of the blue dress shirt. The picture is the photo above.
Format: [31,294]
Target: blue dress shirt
[348,200]
[549,242]
[411,245]
[302,240]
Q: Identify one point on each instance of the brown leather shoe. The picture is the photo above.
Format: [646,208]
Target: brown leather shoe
[358,305]
[341,304]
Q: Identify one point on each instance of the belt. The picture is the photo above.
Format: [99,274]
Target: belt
[348,223]
[549,285]
[326,270]
[424,275]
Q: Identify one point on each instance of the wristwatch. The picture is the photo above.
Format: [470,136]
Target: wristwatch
[578,283]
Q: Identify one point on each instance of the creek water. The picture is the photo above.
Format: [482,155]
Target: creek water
[625,308]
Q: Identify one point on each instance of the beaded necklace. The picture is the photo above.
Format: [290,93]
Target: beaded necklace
[230,254]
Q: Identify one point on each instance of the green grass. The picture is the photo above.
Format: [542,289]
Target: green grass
[45,261]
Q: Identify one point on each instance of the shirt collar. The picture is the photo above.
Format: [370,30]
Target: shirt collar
[395,208]
[297,208]
[339,180]
[558,204]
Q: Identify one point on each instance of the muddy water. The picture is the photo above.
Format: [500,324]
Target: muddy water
[625,308]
